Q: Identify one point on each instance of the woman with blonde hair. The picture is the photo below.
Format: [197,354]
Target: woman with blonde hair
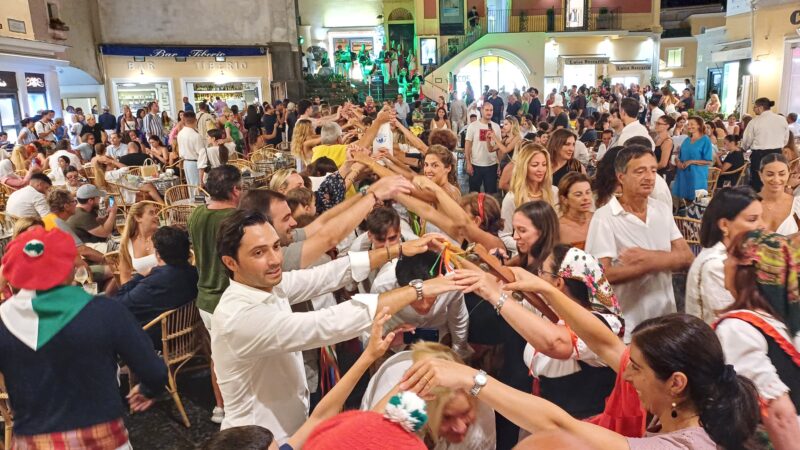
[285,180]
[456,419]
[531,179]
[713,104]
[509,141]
[136,250]
[18,158]
[303,141]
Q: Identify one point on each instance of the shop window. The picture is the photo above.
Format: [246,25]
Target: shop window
[493,71]
[239,93]
[675,57]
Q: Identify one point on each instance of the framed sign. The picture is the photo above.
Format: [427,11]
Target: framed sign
[427,51]
[451,17]
[17,26]
[35,82]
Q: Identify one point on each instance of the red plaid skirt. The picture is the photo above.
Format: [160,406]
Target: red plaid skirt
[103,436]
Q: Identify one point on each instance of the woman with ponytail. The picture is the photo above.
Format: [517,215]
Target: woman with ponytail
[674,366]
[760,331]
[215,153]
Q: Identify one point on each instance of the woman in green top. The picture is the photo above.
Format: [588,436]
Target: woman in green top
[231,130]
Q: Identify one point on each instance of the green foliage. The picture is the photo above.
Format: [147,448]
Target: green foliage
[705,115]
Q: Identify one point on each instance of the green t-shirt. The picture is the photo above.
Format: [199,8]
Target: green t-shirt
[204,224]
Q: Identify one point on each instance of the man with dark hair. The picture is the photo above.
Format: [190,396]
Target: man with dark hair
[171,284]
[655,111]
[191,141]
[151,124]
[629,114]
[205,119]
[637,241]
[255,336]
[224,186]
[794,126]
[590,133]
[30,201]
[766,133]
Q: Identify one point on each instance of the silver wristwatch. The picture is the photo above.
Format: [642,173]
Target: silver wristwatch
[417,285]
[480,381]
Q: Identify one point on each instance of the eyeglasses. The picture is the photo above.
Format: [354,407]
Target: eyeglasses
[541,272]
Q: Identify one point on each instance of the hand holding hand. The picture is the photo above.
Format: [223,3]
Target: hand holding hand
[388,187]
[525,281]
[425,183]
[478,281]
[431,373]
[417,246]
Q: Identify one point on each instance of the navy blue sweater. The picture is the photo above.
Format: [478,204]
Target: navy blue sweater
[71,382]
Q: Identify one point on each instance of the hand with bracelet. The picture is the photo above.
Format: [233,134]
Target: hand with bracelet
[484,284]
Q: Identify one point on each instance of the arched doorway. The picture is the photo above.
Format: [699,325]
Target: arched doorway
[494,71]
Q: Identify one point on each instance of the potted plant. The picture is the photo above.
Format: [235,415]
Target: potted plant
[551,19]
[603,19]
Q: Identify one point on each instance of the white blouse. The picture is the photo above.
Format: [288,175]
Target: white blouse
[208,157]
[705,284]
[746,348]
[542,365]
[145,263]
[789,224]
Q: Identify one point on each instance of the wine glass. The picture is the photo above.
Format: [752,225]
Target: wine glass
[81,275]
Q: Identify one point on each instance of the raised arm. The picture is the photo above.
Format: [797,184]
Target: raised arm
[411,138]
[594,333]
[531,413]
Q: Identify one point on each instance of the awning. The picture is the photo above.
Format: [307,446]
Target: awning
[732,51]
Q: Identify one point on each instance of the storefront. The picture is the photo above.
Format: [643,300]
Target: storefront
[138,75]
[630,72]
[582,69]
[28,84]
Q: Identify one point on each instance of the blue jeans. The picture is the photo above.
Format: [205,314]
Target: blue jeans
[483,175]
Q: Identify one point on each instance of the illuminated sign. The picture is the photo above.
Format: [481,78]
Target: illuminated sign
[181,52]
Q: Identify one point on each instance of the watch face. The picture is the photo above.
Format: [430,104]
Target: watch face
[480,379]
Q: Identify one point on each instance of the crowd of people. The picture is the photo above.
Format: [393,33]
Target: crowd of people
[532,306]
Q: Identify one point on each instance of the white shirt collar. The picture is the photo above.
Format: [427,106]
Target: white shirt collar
[249,294]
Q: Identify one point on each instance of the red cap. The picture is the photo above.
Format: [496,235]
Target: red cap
[38,259]
[362,430]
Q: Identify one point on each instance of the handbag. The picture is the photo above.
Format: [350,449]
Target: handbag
[149,169]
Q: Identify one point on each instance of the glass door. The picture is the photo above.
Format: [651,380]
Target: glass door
[9,116]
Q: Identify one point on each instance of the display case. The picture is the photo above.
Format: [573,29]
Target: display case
[239,93]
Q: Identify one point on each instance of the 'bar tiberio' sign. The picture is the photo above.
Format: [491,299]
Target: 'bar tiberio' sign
[177,52]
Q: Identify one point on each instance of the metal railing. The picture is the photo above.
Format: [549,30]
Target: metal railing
[450,46]
[550,20]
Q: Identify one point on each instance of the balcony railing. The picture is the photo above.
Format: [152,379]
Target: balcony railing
[550,20]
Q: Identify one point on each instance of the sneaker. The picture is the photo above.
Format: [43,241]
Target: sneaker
[217,414]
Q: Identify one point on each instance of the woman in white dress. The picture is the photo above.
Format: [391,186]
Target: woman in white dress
[136,251]
[440,121]
[731,212]
[760,331]
[781,209]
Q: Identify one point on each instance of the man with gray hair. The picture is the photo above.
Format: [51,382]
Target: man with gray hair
[330,144]
[636,240]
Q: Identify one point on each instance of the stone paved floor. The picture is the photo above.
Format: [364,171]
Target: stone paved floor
[160,428]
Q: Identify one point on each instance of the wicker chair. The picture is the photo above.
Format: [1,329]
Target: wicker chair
[181,192]
[183,338]
[713,176]
[177,215]
[177,167]
[5,412]
[242,164]
[135,170]
[112,261]
[690,229]
[740,172]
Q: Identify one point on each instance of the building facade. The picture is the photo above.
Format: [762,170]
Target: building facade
[32,50]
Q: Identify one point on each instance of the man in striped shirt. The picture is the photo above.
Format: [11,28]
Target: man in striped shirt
[152,122]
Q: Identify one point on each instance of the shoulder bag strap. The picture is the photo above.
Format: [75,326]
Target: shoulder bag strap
[767,329]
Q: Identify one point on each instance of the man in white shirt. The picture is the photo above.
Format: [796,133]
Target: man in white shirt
[257,340]
[31,201]
[605,143]
[794,126]
[190,144]
[655,111]
[74,159]
[44,127]
[116,148]
[637,241]
[480,153]
[458,113]
[766,133]
[402,109]
[629,113]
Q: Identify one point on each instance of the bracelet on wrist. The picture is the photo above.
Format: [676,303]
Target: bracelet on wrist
[500,303]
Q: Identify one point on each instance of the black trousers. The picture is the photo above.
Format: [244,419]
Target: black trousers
[755,166]
[483,175]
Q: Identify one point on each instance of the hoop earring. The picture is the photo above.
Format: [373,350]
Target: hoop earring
[674,413]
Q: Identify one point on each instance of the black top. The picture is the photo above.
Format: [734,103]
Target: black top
[736,160]
[562,120]
[134,159]
[268,121]
[559,174]
[787,370]
[658,151]
[579,105]
[513,109]
[535,108]
[589,135]
[497,113]
[71,382]
[107,121]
